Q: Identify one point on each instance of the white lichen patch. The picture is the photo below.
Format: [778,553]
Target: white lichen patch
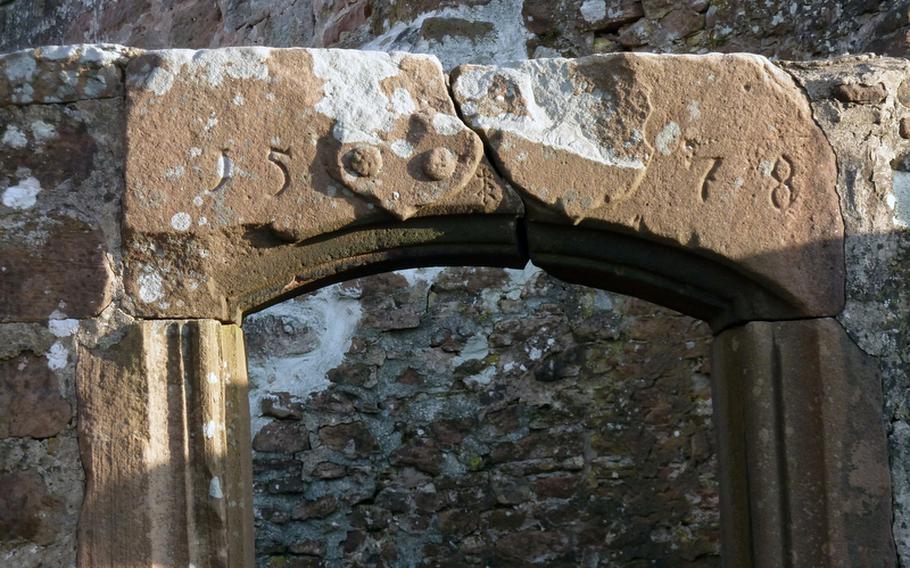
[447,124]
[402,148]
[103,55]
[43,131]
[150,287]
[174,172]
[402,103]
[353,95]
[211,123]
[99,55]
[482,378]
[666,139]
[57,356]
[476,348]
[208,66]
[506,39]
[593,10]
[181,221]
[694,110]
[14,138]
[60,52]
[415,276]
[547,110]
[23,195]
[20,66]
[899,201]
[63,327]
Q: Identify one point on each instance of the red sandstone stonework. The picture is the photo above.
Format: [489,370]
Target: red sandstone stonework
[179,387]
[31,401]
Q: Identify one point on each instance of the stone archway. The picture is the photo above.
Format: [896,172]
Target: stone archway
[701,183]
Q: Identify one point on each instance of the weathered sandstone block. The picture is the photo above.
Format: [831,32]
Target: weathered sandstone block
[715,154]
[233,152]
[31,402]
[60,182]
[27,509]
[62,73]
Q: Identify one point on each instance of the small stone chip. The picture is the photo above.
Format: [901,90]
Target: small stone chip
[858,93]
[904,128]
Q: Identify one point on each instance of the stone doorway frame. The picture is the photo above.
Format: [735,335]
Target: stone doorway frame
[162,401]
[791,493]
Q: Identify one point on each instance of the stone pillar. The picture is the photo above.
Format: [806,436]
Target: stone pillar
[164,436]
[804,467]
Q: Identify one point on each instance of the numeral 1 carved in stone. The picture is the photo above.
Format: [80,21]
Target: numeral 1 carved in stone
[225,171]
[279,158]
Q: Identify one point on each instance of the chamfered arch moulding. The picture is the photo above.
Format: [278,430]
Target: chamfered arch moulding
[701,183]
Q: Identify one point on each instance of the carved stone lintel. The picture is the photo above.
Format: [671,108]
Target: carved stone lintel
[282,147]
[164,437]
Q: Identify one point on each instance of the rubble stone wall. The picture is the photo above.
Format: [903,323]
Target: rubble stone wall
[459,416]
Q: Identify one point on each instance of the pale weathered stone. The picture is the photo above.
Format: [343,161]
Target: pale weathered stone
[717,155]
[282,146]
[62,73]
